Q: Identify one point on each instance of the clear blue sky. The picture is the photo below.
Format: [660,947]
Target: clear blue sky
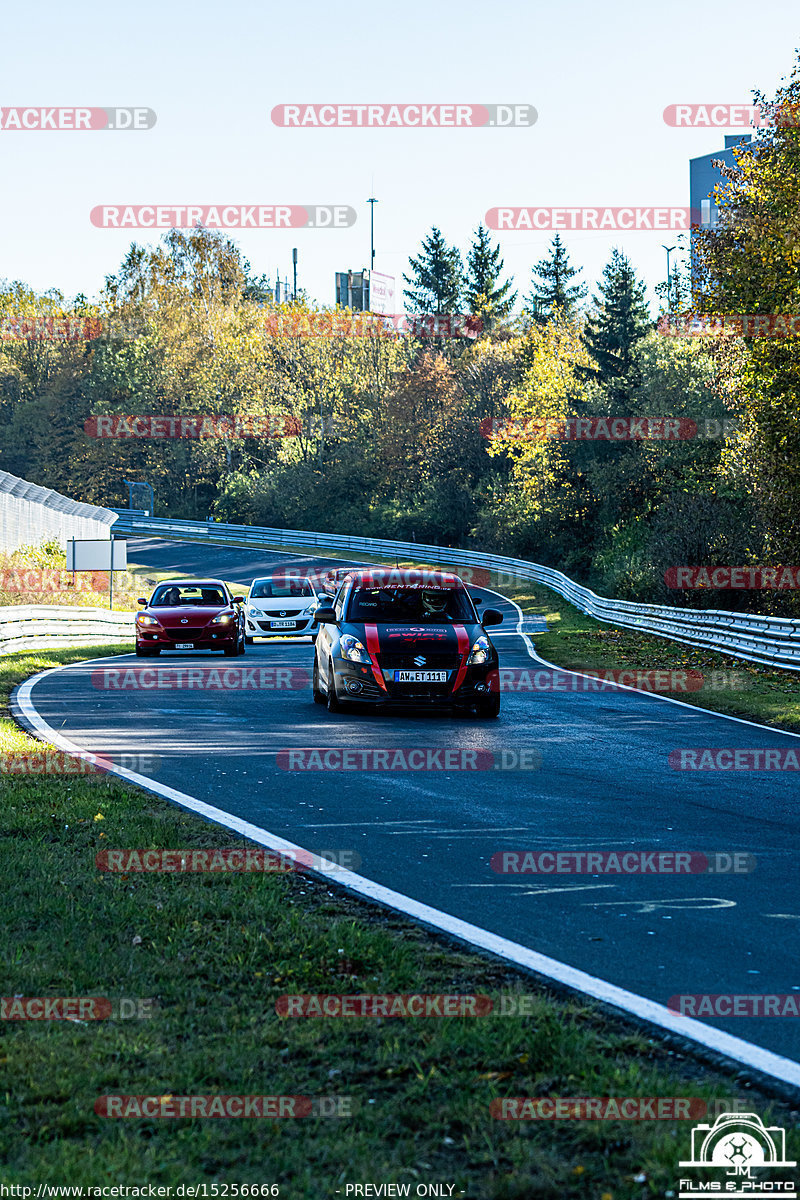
[599,75]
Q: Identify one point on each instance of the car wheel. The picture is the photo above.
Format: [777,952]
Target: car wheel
[490,707]
[331,699]
[242,644]
[319,696]
[232,651]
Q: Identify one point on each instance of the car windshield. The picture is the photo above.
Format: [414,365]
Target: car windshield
[200,596]
[268,589]
[409,604]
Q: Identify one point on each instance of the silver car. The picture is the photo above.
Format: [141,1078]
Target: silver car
[282,606]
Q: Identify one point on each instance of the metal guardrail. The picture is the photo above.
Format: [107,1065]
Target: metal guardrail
[37,626]
[771,641]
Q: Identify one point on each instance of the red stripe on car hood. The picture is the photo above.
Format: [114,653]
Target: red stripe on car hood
[463,649]
[373,646]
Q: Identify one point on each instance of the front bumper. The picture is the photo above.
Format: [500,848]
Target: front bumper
[256,627]
[219,638]
[356,682]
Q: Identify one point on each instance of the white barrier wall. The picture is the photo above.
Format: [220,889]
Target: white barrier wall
[30,515]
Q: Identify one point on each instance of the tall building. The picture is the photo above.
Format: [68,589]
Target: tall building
[703,178]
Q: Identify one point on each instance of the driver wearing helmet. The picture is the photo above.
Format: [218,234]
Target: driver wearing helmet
[434,604]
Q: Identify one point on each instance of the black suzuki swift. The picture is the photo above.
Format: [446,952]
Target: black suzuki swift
[405,637]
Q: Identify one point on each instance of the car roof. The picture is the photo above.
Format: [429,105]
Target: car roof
[195,583]
[405,577]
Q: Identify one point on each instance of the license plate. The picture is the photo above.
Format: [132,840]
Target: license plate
[184,646]
[420,676]
[282,624]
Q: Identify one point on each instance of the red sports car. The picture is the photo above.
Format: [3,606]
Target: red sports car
[190,614]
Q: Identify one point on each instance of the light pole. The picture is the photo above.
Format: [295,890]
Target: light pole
[294,264]
[372,202]
[669,250]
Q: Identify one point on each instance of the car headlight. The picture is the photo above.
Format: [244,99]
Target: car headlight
[143,619]
[352,648]
[481,651]
[221,619]
[255,612]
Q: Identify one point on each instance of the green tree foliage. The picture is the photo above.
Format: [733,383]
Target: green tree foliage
[618,320]
[436,282]
[551,289]
[748,264]
[485,295]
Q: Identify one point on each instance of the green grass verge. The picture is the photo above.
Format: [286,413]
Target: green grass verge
[215,952]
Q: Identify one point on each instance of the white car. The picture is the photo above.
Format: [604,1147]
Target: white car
[278,606]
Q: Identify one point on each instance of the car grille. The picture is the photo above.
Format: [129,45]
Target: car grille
[184,635]
[405,662]
[279,616]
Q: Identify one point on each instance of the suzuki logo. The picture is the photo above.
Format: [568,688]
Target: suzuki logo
[420,661]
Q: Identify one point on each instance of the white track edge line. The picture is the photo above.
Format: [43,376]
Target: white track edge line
[757,1058]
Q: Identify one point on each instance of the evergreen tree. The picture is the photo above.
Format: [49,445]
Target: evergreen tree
[485,295]
[437,278]
[619,320]
[551,287]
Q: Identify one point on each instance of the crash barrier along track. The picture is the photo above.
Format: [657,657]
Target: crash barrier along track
[37,626]
[772,641]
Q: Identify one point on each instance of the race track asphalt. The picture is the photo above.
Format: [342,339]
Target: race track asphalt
[605,784]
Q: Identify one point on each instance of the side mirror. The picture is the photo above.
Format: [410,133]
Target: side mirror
[491,617]
[142,600]
[238,599]
[326,615]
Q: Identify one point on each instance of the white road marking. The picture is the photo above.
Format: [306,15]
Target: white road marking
[688,902]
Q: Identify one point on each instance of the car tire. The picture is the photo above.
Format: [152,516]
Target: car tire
[231,651]
[242,644]
[150,652]
[319,696]
[489,708]
[331,699]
